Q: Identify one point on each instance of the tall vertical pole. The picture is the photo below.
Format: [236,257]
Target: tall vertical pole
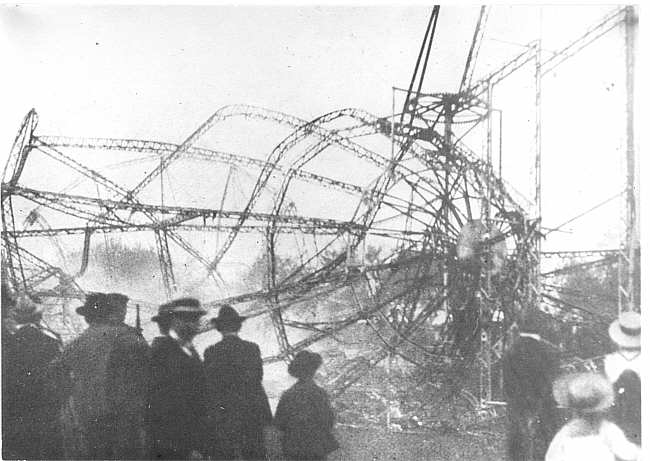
[392,128]
[628,261]
[632,229]
[162,190]
[485,310]
[538,167]
[500,144]
[449,118]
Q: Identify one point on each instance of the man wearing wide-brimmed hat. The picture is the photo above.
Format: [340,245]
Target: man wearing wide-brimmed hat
[28,411]
[623,369]
[239,407]
[588,435]
[177,407]
[104,374]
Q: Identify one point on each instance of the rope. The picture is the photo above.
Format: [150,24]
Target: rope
[585,212]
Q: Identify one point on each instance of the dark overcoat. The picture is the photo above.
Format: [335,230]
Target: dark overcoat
[104,374]
[529,368]
[627,405]
[177,407]
[306,419]
[29,411]
[239,407]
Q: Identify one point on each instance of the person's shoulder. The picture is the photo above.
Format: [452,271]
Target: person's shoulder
[129,334]
[250,345]
[313,388]
[216,348]
[211,353]
[611,429]
[35,335]
[289,393]
[162,344]
[322,391]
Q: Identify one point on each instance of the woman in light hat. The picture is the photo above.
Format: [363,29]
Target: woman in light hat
[588,435]
[623,369]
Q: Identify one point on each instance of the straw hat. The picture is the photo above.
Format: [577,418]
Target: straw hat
[584,392]
[626,330]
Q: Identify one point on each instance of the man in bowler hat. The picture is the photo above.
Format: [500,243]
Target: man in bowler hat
[104,377]
[177,407]
[239,407]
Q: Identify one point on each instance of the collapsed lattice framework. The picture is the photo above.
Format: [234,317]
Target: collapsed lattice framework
[451,181]
[415,208]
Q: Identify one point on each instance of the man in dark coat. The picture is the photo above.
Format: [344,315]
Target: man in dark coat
[529,368]
[29,412]
[104,374]
[239,407]
[177,407]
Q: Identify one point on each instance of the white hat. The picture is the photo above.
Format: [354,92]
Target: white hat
[626,331]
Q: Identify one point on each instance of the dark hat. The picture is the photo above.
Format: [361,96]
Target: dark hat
[227,316]
[626,330]
[96,305]
[117,300]
[305,364]
[182,306]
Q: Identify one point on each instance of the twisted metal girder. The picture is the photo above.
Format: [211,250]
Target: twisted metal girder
[127,213]
[116,189]
[479,30]
[20,149]
[594,32]
[178,214]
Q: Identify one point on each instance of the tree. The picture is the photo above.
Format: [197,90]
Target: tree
[593,291]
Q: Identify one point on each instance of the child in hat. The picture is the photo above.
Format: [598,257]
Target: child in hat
[304,414]
[588,435]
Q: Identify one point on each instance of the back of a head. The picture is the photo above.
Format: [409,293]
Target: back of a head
[117,303]
[305,364]
[628,381]
[627,405]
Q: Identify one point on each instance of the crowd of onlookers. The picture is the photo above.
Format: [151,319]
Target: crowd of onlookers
[555,415]
[109,395]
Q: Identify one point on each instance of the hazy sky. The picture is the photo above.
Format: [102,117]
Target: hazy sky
[158,72]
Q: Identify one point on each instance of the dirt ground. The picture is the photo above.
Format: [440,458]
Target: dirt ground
[379,444]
